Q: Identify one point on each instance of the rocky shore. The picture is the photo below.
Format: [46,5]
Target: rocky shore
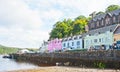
[65,69]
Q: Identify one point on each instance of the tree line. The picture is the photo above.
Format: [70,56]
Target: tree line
[69,27]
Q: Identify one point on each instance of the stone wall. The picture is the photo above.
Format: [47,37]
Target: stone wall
[109,59]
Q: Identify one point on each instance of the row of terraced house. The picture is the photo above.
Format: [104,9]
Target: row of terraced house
[103,29]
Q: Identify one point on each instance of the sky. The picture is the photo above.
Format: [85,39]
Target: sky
[26,23]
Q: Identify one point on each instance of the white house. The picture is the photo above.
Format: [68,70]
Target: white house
[44,47]
[23,51]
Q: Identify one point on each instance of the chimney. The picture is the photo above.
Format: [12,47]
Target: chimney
[71,34]
[93,14]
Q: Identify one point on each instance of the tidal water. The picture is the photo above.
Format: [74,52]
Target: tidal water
[10,64]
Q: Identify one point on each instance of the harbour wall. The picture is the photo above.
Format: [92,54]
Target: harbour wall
[91,59]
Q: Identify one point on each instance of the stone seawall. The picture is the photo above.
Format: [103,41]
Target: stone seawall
[94,59]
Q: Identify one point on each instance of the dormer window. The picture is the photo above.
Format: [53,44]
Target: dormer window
[70,39]
[79,37]
[92,25]
[97,23]
[114,19]
[75,38]
[107,20]
[119,18]
[110,30]
[102,23]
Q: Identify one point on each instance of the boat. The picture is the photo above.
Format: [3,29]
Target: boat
[6,56]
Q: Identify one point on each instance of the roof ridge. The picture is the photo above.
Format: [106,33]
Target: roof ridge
[102,15]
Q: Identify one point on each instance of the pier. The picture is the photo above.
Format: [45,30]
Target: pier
[92,59]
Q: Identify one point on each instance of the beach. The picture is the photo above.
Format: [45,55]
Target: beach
[64,69]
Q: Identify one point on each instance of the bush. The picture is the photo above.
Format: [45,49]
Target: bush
[99,65]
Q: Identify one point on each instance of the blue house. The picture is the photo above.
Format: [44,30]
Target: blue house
[72,43]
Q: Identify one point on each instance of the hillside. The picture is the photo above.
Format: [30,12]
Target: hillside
[8,50]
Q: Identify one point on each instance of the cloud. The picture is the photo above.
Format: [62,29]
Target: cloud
[21,38]
[17,13]
[53,15]
[71,8]
[20,25]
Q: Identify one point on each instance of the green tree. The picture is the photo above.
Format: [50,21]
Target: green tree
[112,8]
[69,23]
[68,27]
[80,17]
[61,29]
[79,26]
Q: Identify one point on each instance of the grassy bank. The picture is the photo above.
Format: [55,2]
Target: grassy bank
[7,50]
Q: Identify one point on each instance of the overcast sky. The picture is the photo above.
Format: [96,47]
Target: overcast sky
[26,23]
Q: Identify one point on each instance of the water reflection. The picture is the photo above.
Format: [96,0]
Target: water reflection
[10,64]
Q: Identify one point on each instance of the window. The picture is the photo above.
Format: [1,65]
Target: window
[79,37]
[68,44]
[98,32]
[102,23]
[114,19]
[107,20]
[72,43]
[64,44]
[110,30]
[86,41]
[70,38]
[95,40]
[91,41]
[100,40]
[78,42]
[119,18]
[97,23]
[75,38]
[106,39]
[92,25]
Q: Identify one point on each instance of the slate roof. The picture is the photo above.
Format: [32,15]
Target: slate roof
[100,16]
[102,30]
[71,37]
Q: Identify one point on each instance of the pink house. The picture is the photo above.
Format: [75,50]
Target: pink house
[55,44]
